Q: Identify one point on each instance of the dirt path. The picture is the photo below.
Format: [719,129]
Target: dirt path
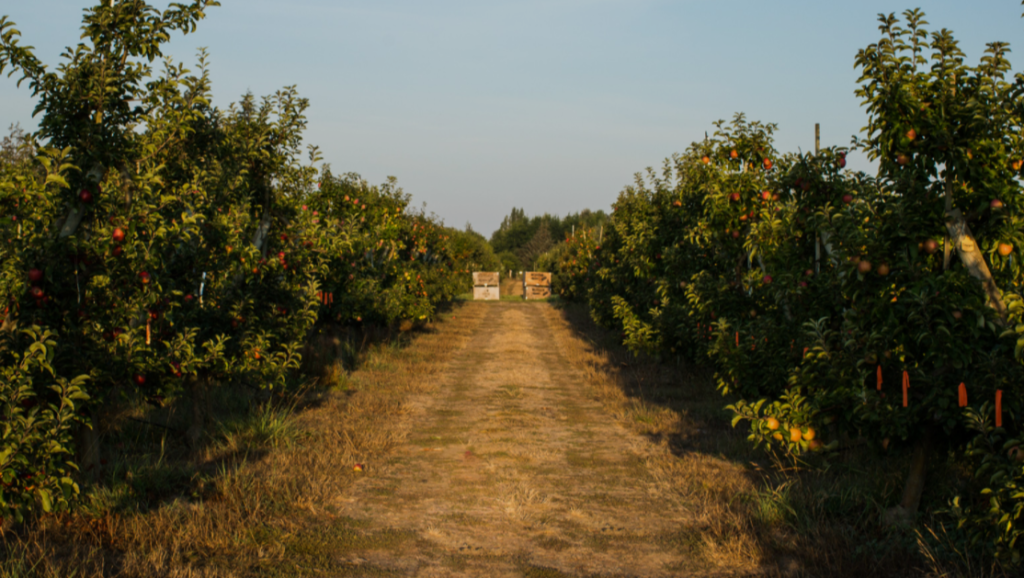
[510,468]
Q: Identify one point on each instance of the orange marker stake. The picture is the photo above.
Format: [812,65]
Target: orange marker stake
[906,385]
[147,332]
[805,352]
[999,408]
[878,375]
[737,339]
[963,395]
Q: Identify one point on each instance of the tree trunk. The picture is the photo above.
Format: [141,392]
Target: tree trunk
[914,486]
[194,433]
[70,224]
[974,260]
[89,449]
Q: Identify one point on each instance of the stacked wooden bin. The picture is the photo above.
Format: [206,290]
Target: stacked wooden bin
[536,285]
[485,286]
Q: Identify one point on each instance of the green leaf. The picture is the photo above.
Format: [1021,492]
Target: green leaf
[44,496]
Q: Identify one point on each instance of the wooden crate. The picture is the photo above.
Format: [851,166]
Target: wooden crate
[486,279]
[537,279]
[537,292]
[486,294]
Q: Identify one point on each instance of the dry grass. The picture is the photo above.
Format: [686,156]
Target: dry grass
[518,441]
[823,522]
[249,498]
[723,533]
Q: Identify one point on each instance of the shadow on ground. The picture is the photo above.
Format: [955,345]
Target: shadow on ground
[826,520]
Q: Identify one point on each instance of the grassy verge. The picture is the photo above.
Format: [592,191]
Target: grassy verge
[268,470]
[823,520]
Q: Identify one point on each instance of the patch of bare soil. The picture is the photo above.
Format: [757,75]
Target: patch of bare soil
[515,463]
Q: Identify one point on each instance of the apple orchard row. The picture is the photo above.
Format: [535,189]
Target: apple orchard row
[837,307]
[154,248]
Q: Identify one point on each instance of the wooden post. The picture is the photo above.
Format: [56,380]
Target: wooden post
[817,238]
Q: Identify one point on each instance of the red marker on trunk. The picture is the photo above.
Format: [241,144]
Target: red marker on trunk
[999,408]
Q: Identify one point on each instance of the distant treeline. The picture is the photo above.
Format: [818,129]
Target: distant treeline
[521,241]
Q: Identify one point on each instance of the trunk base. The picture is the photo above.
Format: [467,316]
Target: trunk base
[89,449]
[905,513]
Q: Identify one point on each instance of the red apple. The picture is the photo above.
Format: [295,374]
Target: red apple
[930,246]
[36,293]
[144,277]
[902,159]
[735,234]
[767,279]
[957,315]
[802,284]
[808,272]
[734,197]
[733,154]
[118,235]
[767,163]
[841,162]
[766,195]
[85,196]
[883,269]
[704,159]
[35,275]
[996,204]
[117,251]
[911,134]
[847,198]
[139,379]
[864,267]
[1005,249]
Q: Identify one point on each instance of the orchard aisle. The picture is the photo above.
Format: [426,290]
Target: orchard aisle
[513,467]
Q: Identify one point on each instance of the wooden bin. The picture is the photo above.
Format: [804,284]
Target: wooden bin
[485,286]
[486,294]
[486,279]
[536,285]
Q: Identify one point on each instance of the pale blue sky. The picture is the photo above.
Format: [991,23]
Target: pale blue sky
[550,105]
